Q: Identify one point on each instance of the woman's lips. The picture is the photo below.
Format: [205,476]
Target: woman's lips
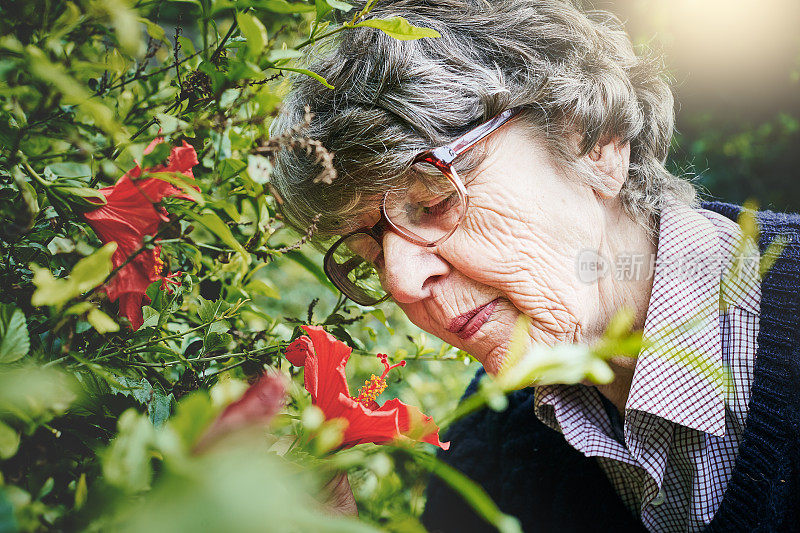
[466,325]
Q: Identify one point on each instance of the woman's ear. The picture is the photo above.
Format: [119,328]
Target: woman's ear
[610,160]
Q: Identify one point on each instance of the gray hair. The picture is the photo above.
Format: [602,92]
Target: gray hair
[573,72]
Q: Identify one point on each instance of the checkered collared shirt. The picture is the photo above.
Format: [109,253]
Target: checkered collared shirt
[672,459]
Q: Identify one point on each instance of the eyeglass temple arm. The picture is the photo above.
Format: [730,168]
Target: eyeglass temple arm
[447,153]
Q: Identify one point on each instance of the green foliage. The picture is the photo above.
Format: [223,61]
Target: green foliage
[103,427]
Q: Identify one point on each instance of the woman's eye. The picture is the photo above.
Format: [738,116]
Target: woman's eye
[432,208]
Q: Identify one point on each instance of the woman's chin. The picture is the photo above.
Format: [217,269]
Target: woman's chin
[493,362]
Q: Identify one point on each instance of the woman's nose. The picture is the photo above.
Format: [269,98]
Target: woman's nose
[409,270]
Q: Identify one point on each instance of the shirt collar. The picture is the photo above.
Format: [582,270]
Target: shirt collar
[679,372]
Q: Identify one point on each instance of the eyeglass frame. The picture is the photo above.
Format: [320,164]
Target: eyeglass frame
[442,158]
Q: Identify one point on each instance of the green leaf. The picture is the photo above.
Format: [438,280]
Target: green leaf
[311,267]
[154,30]
[307,72]
[341,6]
[288,53]
[184,183]
[399,28]
[169,124]
[323,8]
[91,271]
[70,170]
[211,311]
[9,441]
[101,321]
[215,224]
[186,45]
[193,415]
[262,287]
[81,492]
[158,408]
[228,168]
[14,342]
[381,316]
[126,462]
[282,6]
[87,274]
[254,31]
[157,157]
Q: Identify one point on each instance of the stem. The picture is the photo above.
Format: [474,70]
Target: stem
[225,369]
[227,36]
[312,40]
[33,174]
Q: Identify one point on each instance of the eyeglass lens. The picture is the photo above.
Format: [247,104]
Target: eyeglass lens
[427,209]
[352,267]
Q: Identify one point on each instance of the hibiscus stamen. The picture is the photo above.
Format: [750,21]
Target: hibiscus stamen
[385,360]
[158,267]
[374,386]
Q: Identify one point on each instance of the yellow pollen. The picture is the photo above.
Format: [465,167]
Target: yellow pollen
[373,387]
[158,267]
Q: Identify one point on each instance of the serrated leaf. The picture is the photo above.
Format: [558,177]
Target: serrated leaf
[14,341]
[209,309]
[158,408]
[254,31]
[399,28]
[216,340]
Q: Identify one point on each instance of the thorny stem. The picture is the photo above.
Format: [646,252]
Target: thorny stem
[246,355]
[153,73]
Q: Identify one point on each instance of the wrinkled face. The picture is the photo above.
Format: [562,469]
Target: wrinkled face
[516,251]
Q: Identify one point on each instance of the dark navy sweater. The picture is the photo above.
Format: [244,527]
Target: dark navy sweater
[532,473]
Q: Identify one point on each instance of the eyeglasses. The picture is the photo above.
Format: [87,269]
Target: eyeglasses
[425,213]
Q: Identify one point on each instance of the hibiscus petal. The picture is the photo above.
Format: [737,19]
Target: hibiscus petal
[367,425]
[182,159]
[258,405]
[414,424]
[298,350]
[130,306]
[325,375]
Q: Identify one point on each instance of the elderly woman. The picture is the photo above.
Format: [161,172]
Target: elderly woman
[510,168]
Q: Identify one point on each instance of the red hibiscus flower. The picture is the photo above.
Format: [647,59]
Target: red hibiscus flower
[130,213]
[325,358]
[258,405]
